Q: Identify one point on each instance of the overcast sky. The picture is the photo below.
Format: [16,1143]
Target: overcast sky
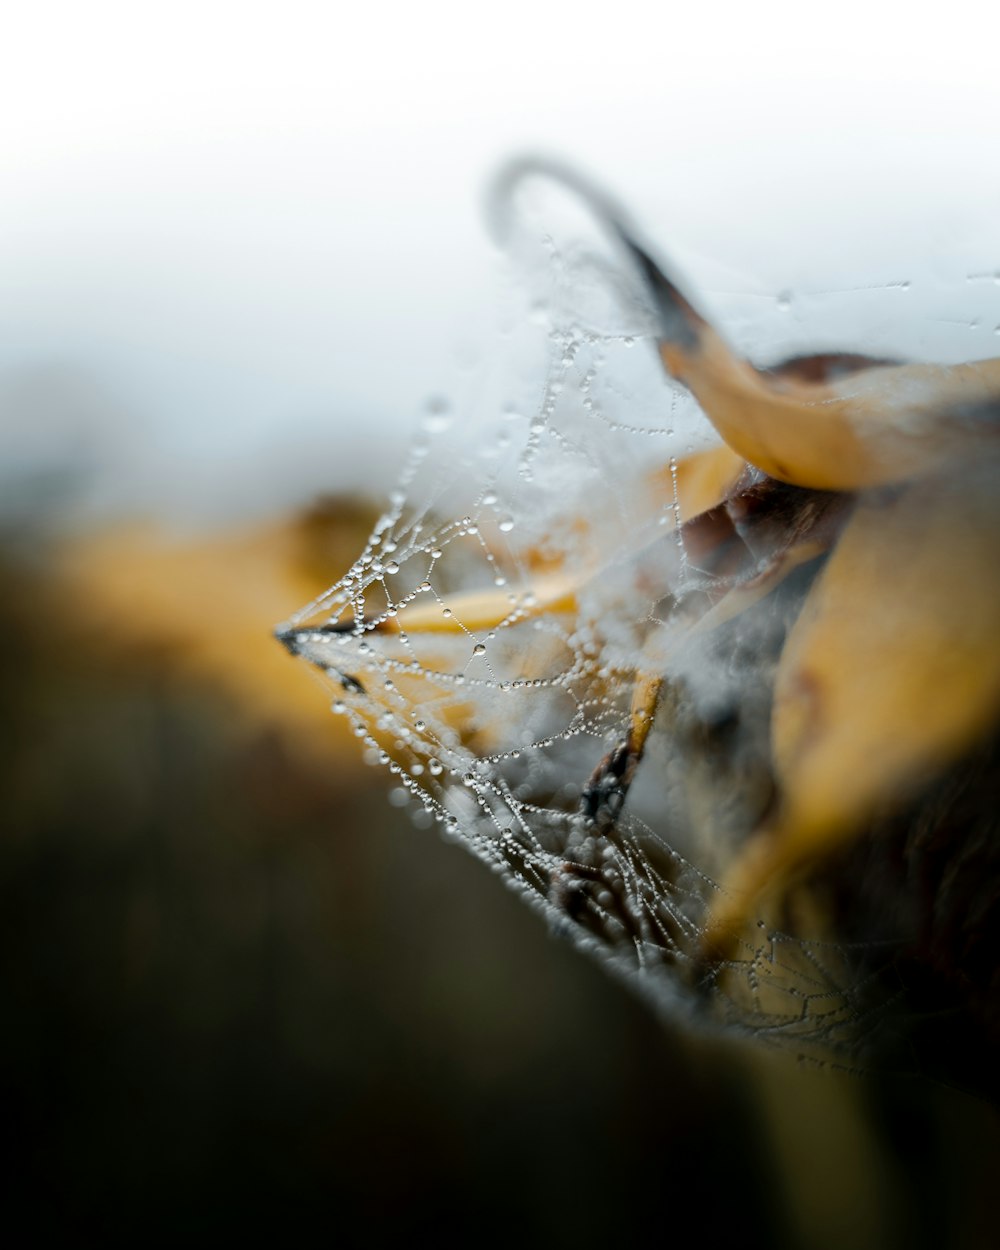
[255,224]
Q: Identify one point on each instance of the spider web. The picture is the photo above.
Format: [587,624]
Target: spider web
[490,692]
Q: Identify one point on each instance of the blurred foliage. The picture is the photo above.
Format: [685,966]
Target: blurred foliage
[243,995]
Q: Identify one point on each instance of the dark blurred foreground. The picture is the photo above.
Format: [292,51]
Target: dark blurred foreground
[243,996]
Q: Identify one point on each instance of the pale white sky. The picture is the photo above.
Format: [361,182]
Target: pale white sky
[256,226]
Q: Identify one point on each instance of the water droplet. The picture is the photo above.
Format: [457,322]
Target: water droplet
[338,705]
[628,341]
[506,525]
[437,415]
[392,567]
[419,726]
[479,649]
[490,498]
[446,611]
[424,585]
[435,767]
[388,547]
[435,553]
[500,580]
[469,779]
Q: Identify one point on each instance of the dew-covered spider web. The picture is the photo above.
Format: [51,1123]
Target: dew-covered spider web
[528,573]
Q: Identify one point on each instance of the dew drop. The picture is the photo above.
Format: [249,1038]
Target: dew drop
[506,525]
[437,415]
[392,567]
[419,726]
[479,649]
[338,706]
[435,767]
[424,585]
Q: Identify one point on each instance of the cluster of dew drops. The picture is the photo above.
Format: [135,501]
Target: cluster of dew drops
[412,529]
